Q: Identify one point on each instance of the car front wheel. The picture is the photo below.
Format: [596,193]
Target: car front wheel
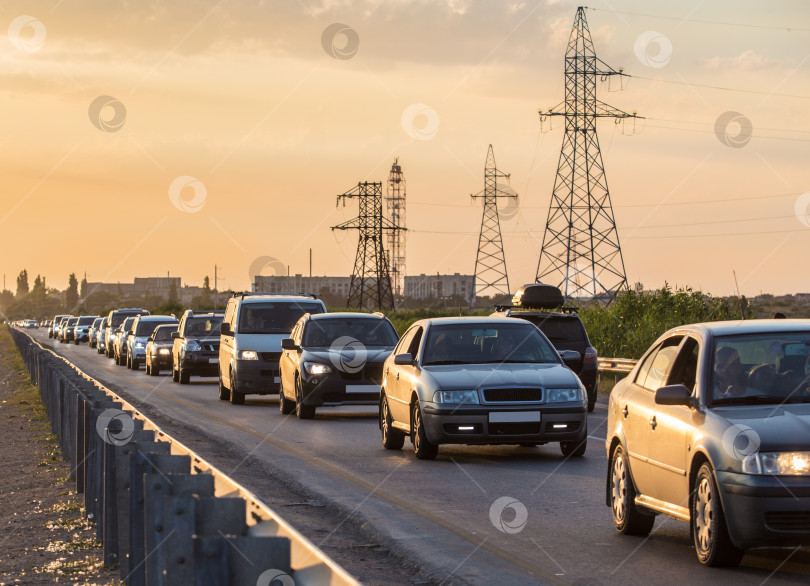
[709,531]
[422,446]
[285,406]
[224,392]
[392,438]
[629,520]
[302,411]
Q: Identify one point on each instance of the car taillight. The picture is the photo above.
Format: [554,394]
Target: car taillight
[590,356]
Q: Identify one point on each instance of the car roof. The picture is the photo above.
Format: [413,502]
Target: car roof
[472,319]
[284,298]
[155,317]
[167,326]
[749,326]
[344,315]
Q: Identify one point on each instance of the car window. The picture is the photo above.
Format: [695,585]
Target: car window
[164,333]
[145,328]
[660,364]
[413,346]
[202,326]
[273,317]
[321,333]
[483,343]
[684,370]
[405,340]
[230,313]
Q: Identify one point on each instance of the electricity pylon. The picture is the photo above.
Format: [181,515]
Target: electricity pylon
[581,251]
[490,263]
[370,287]
[395,204]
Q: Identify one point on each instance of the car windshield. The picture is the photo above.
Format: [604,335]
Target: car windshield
[118,318]
[163,334]
[483,343]
[322,333]
[203,325]
[97,322]
[127,325]
[145,328]
[72,321]
[86,320]
[273,317]
[761,369]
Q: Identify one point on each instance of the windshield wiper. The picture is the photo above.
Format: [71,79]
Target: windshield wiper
[440,362]
[750,400]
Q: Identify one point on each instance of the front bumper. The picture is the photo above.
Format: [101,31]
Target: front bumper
[766,511]
[161,360]
[81,336]
[203,363]
[333,389]
[448,424]
[257,377]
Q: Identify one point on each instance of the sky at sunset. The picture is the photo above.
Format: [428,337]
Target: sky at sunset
[141,138]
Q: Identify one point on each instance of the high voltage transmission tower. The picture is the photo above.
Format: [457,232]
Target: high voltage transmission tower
[395,203]
[490,263]
[370,287]
[581,251]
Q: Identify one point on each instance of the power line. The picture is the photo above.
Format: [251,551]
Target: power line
[763,136]
[718,87]
[701,21]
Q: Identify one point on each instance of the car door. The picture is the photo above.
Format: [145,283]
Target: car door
[288,363]
[398,396]
[672,428]
[637,407]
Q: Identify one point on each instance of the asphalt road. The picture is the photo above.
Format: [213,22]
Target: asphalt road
[444,512]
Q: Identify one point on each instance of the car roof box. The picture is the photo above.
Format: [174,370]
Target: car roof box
[538,296]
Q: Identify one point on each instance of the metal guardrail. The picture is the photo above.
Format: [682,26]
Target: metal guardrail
[150,488]
[616,365]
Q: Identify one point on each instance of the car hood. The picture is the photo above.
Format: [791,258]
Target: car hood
[776,427]
[474,376]
[353,360]
[260,342]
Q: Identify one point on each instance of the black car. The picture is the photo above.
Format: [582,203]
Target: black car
[562,327]
[195,346]
[159,349]
[66,332]
[334,359]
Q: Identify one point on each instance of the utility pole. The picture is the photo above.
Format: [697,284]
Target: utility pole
[370,286]
[216,289]
[395,204]
[581,252]
[490,263]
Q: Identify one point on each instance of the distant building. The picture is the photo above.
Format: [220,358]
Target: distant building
[337,286]
[155,286]
[438,286]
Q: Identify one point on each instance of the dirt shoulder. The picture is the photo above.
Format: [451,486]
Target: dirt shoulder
[45,537]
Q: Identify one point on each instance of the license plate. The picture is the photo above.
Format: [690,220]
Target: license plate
[362,388]
[213,361]
[514,417]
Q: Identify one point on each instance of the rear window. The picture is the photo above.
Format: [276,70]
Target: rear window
[273,317]
[145,328]
[560,329]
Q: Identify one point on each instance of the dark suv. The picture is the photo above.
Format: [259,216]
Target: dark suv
[562,327]
[114,319]
[195,346]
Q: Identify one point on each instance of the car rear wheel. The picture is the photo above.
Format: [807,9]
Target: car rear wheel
[392,438]
[184,376]
[285,406]
[77,342]
[302,411]
[629,520]
[575,449]
[709,531]
[175,375]
[224,392]
[422,447]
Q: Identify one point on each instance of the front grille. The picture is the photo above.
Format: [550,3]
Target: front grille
[798,521]
[270,356]
[514,428]
[268,372]
[373,373]
[210,347]
[512,395]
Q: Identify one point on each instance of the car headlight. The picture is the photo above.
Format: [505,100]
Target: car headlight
[248,355]
[317,368]
[193,346]
[164,351]
[139,345]
[563,395]
[468,397]
[774,463]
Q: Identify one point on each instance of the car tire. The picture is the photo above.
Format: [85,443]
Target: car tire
[224,392]
[237,398]
[285,406]
[302,411]
[184,376]
[713,545]
[422,446]
[627,517]
[153,370]
[76,342]
[175,375]
[591,402]
[147,368]
[135,364]
[574,449]
[392,438]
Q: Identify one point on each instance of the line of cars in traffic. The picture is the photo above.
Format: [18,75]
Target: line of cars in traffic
[711,427]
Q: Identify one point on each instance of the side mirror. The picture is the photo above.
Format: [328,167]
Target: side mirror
[571,358]
[225,329]
[674,395]
[403,359]
[175,334]
[150,339]
[288,344]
